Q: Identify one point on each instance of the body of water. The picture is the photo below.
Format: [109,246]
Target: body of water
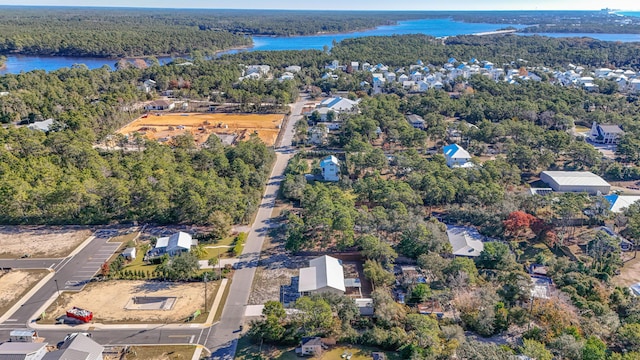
[434,27]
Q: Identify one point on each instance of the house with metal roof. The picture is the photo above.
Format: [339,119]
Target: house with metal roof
[575,181]
[456,156]
[77,346]
[605,134]
[22,351]
[617,203]
[465,241]
[173,245]
[324,274]
[340,104]
[330,167]
[416,121]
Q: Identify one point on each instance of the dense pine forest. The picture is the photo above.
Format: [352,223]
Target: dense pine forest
[113,33]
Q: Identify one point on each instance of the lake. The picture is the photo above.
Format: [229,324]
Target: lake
[434,27]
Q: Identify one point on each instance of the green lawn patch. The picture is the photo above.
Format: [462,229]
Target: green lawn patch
[160,352]
[249,351]
[124,238]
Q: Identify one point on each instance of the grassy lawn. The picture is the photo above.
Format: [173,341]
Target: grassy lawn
[357,353]
[228,241]
[532,250]
[124,238]
[160,352]
[225,294]
[249,351]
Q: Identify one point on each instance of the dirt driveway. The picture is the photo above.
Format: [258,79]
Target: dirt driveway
[40,241]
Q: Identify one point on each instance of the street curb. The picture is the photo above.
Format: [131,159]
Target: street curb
[27,296]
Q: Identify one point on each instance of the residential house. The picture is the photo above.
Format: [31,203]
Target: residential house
[77,346]
[173,245]
[286,76]
[258,69]
[456,156]
[160,105]
[318,135]
[355,66]
[416,121]
[129,253]
[365,305]
[465,241]
[324,274]
[605,134]
[376,355]
[617,203]
[330,167]
[44,125]
[340,104]
[22,351]
[148,85]
[310,346]
[324,113]
[293,69]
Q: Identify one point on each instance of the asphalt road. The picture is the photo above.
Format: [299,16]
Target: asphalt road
[226,331]
[73,272]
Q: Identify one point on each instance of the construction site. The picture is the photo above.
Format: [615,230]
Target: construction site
[230,128]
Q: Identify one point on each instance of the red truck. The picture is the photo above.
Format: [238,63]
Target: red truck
[80,314]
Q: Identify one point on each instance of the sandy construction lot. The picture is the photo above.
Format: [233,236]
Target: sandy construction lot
[107,301]
[14,284]
[40,241]
[201,125]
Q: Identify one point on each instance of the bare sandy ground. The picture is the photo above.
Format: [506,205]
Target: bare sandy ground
[14,284]
[201,125]
[107,301]
[40,241]
[630,272]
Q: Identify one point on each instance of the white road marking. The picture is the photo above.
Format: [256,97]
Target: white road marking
[192,338]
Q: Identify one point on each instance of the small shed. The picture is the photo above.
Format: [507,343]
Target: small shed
[23,335]
[129,253]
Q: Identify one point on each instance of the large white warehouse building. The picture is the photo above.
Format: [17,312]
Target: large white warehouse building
[575,181]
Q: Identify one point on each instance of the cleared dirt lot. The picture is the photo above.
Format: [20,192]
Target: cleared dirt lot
[630,272]
[40,241]
[14,284]
[201,125]
[107,301]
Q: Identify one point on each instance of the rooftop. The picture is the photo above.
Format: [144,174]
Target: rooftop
[576,178]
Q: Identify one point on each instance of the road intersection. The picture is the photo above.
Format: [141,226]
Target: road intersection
[73,272]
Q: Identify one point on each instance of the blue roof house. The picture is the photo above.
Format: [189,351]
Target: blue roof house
[456,156]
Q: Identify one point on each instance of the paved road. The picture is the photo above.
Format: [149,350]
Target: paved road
[29,263]
[72,273]
[226,332]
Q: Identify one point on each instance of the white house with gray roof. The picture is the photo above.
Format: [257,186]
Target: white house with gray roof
[605,134]
[324,274]
[173,245]
[22,351]
[77,346]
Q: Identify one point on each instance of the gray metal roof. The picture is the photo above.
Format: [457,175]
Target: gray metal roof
[19,348]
